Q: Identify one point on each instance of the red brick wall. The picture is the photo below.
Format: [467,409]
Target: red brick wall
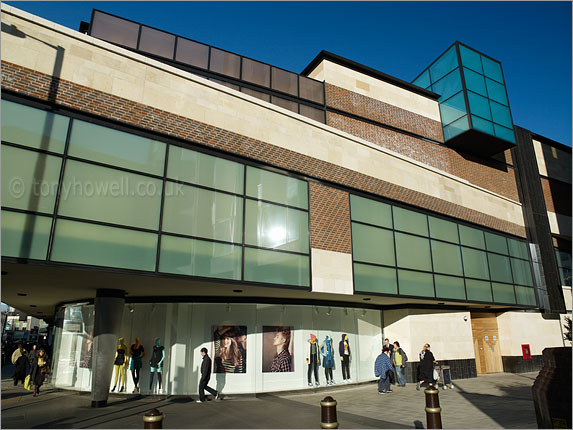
[557,196]
[329,218]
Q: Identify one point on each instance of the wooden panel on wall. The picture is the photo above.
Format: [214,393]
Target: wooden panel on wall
[486,343]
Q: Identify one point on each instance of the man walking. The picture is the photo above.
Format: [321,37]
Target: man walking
[399,359]
[205,376]
[383,369]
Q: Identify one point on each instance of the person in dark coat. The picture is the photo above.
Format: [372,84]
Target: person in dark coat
[205,376]
[39,370]
[426,367]
[344,352]
[19,360]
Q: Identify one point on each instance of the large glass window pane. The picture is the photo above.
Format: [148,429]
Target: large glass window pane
[496,243]
[41,129]
[373,279]
[285,104]
[200,258]
[482,125]
[496,92]
[202,213]
[471,59]
[444,230]
[517,248]
[29,179]
[313,113]
[521,272]
[449,287]
[499,268]
[470,236]
[193,53]
[276,267]
[525,296]
[479,291]
[109,195]
[501,114]
[372,245]
[415,283]
[370,211]
[157,42]
[277,227]
[284,81]
[206,170]
[256,72]
[311,89]
[446,63]
[106,145]
[448,85]
[113,29]
[225,63]
[410,221]
[453,108]
[83,243]
[479,105]
[475,263]
[456,127]
[413,252]
[25,235]
[447,258]
[503,293]
[564,265]
[492,69]
[257,94]
[423,80]
[475,82]
[504,133]
[266,185]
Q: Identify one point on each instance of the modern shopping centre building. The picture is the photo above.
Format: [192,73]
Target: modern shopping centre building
[157,187]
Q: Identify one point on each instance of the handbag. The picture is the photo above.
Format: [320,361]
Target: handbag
[28,383]
[436,375]
[45,370]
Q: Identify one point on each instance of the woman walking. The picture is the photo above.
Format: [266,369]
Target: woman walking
[426,368]
[39,370]
[19,360]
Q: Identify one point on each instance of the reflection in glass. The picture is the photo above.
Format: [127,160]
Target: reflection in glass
[276,267]
[373,279]
[266,185]
[373,245]
[25,235]
[415,283]
[370,211]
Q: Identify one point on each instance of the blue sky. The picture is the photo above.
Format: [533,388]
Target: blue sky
[531,39]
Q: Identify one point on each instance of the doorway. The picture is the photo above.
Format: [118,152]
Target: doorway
[486,343]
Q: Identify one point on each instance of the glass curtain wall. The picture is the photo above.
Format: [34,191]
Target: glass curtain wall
[397,251]
[564,265]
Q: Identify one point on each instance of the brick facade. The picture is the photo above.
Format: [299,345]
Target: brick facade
[64,93]
[329,218]
[557,196]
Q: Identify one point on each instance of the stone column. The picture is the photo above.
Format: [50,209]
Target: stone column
[108,313]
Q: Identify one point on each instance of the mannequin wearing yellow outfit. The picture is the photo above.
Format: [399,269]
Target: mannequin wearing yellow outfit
[120,365]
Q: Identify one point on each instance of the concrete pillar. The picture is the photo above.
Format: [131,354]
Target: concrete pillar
[108,313]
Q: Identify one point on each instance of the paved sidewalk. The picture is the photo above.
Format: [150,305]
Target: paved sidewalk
[491,401]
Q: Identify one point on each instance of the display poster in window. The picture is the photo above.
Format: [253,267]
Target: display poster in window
[278,349]
[230,349]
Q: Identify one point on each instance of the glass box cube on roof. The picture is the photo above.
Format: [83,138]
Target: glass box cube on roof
[473,100]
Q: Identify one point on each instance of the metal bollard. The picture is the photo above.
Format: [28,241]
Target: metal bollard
[433,410]
[153,420]
[328,413]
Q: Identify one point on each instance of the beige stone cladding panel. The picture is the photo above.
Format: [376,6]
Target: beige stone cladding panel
[568,298]
[449,335]
[517,328]
[146,81]
[331,272]
[560,224]
[552,162]
[375,88]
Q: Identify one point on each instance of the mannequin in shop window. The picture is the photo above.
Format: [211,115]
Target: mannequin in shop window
[327,359]
[344,351]
[156,363]
[137,353]
[313,360]
[119,365]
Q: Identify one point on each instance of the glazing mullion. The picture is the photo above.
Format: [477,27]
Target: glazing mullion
[162,207]
[244,222]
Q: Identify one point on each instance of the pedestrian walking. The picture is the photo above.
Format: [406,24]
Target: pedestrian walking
[19,360]
[399,359]
[382,369]
[426,368]
[205,376]
[39,371]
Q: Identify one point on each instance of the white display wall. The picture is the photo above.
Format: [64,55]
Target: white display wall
[185,328]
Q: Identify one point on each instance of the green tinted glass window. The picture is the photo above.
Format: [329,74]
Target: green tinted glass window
[410,221]
[276,267]
[525,296]
[206,170]
[265,185]
[372,245]
[83,243]
[501,114]
[496,243]
[447,258]
[29,179]
[499,268]
[449,287]
[413,252]
[423,80]
[445,64]
[415,283]
[475,263]
[118,148]
[25,235]
[521,272]
[277,227]
[492,69]
[475,82]
[504,133]
[200,258]
[517,248]
[470,236]
[110,195]
[471,59]
[203,213]
[496,91]
[40,129]
[503,293]
[453,108]
[479,105]
[482,125]
[373,279]
[443,230]
[456,127]
[370,211]
[448,85]
[479,291]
